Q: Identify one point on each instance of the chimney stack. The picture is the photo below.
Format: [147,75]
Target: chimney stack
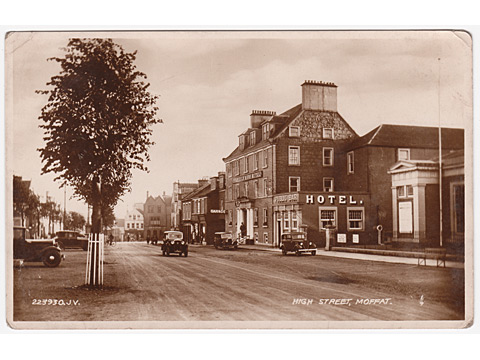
[319,95]
[259,116]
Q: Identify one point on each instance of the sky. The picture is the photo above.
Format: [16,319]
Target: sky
[209,82]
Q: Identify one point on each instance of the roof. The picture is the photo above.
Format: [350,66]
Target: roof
[283,119]
[195,192]
[408,136]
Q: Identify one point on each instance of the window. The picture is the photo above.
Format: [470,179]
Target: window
[293,155]
[138,225]
[405,191]
[294,131]
[256,160]
[255,187]
[327,133]
[241,141]
[327,156]
[286,220]
[265,237]
[252,138]
[222,204]
[128,225]
[159,209]
[229,194]
[350,163]
[237,191]
[245,189]
[265,186]
[294,184]
[255,217]
[237,167]
[328,216]
[355,218]
[134,217]
[265,158]
[150,208]
[265,131]
[265,217]
[403,154]
[294,220]
[229,170]
[245,164]
[230,217]
[328,184]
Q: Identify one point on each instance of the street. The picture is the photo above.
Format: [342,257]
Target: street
[228,285]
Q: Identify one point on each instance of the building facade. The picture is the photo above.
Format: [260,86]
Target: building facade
[134,224]
[179,191]
[307,169]
[157,216]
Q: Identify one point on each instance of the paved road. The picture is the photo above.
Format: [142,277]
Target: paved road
[242,285]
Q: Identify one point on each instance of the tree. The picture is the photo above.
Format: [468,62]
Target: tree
[97,123]
[74,221]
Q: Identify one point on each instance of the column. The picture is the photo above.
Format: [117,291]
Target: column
[394,212]
[419,220]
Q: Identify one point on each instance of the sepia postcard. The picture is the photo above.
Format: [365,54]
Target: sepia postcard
[239,180]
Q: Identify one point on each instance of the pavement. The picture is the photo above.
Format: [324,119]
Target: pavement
[362,256]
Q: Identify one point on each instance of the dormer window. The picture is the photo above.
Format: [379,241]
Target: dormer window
[328,133]
[265,131]
[252,138]
[294,131]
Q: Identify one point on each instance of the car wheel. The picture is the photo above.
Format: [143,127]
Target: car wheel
[52,258]
[185,253]
[297,253]
[314,253]
[60,245]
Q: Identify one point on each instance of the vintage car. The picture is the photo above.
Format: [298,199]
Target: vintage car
[297,243]
[173,243]
[224,240]
[67,239]
[35,250]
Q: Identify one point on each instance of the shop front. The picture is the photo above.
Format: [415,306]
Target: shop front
[348,217]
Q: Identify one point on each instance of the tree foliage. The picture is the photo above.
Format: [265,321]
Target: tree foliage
[97,121]
[74,221]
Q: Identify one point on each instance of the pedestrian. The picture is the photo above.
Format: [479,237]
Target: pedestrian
[243,229]
[148,239]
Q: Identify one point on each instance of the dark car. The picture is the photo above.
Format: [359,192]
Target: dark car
[224,240]
[35,250]
[297,243]
[67,239]
[173,243]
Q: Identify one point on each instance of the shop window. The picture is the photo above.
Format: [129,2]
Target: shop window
[294,184]
[327,133]
[355,218]
[265,158]
[286,221]
[294,220]
[294,131]
[350,163]
[327,156]
[294,155]
[265,217]
[255,217]
[403,154]
[328,185]
[328,216]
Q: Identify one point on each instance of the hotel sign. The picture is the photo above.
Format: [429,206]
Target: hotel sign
[246,177]
[332,199]
[286,199]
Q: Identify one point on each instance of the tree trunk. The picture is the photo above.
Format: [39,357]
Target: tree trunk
[95,268]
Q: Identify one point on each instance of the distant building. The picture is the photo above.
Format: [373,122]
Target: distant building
[203,211]
[157,215]
[179,191]
[134,224]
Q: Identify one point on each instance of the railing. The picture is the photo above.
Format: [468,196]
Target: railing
[95,255]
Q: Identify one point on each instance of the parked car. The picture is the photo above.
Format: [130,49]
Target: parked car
[35,250]
[297,243]
[173,243]
[67,239]
[224,240]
